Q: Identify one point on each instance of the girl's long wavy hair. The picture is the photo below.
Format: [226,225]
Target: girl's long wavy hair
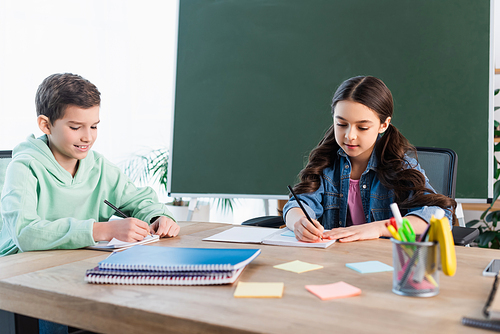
[394,170]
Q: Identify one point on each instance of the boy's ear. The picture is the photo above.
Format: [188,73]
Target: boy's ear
[44,124]
[384,125]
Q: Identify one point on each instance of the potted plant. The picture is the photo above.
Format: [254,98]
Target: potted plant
[152,167]
[489,236]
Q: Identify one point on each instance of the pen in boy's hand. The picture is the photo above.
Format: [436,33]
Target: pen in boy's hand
[302,208]
[116,209]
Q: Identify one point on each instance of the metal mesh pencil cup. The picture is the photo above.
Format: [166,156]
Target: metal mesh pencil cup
[415,268]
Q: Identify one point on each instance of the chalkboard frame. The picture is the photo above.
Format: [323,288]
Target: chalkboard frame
[487,140]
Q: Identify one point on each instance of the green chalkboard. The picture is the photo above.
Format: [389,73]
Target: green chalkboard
[255,80]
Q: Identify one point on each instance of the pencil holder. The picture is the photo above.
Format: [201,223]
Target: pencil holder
[415,268]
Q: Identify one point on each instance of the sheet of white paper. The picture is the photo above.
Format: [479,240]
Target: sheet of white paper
[284,239]
[253,235]
[116,244]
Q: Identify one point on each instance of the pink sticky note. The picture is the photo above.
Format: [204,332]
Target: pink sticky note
[334,290]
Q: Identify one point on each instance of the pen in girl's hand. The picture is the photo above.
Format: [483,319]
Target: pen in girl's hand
[302,208]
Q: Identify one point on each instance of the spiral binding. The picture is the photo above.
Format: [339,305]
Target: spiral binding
[118,272]
[484,324]
[159,280]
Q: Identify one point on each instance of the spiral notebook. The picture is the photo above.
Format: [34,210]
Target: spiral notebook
[159,278]
[172,266]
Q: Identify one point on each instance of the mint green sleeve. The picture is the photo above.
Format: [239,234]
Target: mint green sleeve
[22,224]
[140,202]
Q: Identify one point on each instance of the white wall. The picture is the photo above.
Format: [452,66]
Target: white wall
[126,48]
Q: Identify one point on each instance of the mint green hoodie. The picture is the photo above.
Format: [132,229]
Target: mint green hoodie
[44,207]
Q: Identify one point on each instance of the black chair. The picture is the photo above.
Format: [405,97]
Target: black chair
[440,165]
[5,154]
[266,221]
[5,158]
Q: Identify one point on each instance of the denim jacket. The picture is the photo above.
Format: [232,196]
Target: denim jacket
[328,204]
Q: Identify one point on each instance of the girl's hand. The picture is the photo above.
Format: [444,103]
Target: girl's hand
[307,232]
[164,227]
[359,232]
[128,229]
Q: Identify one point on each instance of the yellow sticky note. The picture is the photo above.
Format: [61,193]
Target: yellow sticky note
[298,266]
[259,290]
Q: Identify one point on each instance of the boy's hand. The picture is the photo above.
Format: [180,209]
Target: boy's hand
[164,227]
[128,229]
[307,232]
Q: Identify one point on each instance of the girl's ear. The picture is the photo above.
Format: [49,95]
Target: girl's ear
[384,125]
[44,124]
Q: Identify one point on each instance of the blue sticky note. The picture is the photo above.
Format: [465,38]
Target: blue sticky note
[288,234]
[369,267]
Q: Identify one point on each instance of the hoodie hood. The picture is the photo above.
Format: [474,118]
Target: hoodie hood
[37,151]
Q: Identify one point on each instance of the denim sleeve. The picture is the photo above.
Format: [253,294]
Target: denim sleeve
[312,202]
[426,212]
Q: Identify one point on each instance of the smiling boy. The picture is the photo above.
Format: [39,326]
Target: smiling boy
[55,186]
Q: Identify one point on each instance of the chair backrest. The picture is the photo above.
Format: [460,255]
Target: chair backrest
[440,166]
[5,158]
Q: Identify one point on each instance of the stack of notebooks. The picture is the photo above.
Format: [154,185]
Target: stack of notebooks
[153,265]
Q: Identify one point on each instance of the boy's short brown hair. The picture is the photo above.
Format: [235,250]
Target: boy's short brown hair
[58,91]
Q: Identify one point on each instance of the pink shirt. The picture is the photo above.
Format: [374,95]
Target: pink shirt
[354,203]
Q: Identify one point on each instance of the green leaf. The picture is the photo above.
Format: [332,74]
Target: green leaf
[493,216]
[472,223]
[496,91]
[485,238]
[496,170]
[497,147]
[225,204]
[497,123]
[485,212]
[489,217]
[496,193]
[149,167]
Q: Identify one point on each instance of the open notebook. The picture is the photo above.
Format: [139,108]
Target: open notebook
[116,245]
[265,235]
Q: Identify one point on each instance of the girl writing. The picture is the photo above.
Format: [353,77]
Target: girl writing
[358,169]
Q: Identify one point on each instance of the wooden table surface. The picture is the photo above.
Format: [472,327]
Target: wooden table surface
[50,285]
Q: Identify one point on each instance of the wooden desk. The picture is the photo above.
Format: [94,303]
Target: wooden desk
[50,285]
